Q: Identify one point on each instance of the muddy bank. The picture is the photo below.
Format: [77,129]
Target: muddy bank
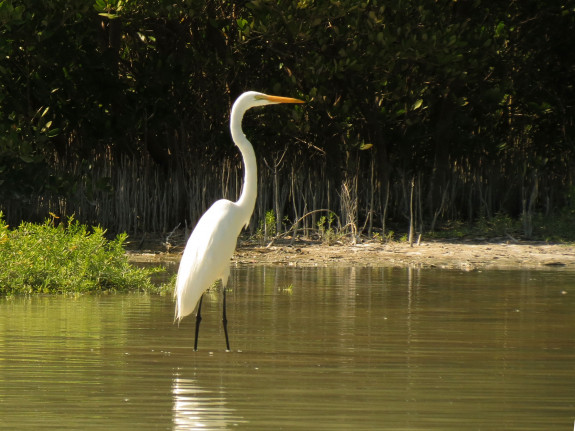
[471,255]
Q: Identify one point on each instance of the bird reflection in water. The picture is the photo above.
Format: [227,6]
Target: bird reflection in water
[196,408]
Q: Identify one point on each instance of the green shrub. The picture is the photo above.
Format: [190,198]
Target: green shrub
[45,258]
[499,225]
[267,227]
[559,227]
[327,235]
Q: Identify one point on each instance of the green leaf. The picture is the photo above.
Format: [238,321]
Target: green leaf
[109,15]
[417,104]
[100,5]
[53,132]
[499,29]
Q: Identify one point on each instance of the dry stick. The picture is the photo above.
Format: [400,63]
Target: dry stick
[419,210]
[384,216]
[293,187]
[167,242]
[411,221]
[275,168]
[527,206]
[349,209]
[369,218]
[441,206]
[371,197]
[297,222]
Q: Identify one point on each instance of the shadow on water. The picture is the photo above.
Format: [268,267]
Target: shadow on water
[313,348]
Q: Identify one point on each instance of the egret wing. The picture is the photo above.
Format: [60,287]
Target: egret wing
[206,257]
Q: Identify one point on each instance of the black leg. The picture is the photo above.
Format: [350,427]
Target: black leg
[225,321]
[198,320]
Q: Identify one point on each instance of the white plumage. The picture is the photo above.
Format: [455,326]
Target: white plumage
[211,245]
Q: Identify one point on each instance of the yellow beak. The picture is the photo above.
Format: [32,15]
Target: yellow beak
[279,99]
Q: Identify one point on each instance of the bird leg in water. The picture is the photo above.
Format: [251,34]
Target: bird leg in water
[198,320]
[225,322]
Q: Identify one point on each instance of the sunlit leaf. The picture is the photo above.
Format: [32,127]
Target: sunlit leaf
[417,104]
[108,15]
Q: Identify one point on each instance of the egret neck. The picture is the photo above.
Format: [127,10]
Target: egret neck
[247,200]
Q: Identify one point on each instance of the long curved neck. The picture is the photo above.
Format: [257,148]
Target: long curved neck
[248,196]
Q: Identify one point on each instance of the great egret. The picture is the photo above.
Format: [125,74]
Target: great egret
[207,254]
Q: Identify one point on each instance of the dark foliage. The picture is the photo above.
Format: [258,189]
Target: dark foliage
[117,111]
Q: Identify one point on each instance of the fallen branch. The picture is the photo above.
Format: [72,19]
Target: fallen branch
[294,225]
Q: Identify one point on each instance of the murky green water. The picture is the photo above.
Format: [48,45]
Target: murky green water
[313,349]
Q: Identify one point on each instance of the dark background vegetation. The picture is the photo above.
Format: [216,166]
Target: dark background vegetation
[434,111]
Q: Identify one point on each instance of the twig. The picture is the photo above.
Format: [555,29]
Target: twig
[297,222]
[167,242]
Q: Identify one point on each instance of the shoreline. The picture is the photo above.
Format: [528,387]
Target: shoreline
[444,254]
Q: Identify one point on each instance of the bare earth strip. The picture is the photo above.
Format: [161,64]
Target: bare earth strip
[435,254]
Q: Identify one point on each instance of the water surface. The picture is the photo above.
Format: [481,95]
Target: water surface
[312,348]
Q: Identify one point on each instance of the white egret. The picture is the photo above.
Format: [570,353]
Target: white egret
[207,254]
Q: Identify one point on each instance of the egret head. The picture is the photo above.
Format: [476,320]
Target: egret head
[250,99]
